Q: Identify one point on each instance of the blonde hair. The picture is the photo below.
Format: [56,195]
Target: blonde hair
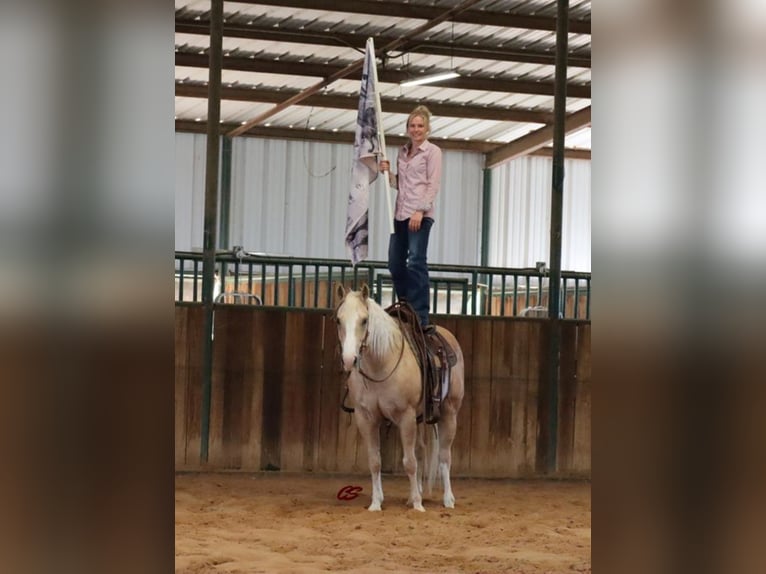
[424,113]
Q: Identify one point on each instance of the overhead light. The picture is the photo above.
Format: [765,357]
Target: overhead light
[431,79]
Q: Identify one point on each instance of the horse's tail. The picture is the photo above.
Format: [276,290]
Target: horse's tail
[431,458]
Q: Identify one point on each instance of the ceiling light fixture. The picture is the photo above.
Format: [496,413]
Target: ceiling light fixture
[431,79]
[441,75]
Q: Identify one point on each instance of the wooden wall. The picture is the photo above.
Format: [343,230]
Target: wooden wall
[277,389]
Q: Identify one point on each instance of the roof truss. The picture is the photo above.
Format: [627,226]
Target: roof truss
[294,27]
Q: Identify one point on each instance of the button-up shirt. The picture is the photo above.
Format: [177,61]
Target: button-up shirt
[418,180]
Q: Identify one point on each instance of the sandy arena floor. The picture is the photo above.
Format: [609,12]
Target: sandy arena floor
[277,523]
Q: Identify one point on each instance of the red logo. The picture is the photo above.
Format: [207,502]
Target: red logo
[349,492]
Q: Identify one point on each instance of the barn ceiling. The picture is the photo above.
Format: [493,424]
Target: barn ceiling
[276,51]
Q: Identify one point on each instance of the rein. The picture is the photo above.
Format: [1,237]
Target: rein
[408,337]
[363,346]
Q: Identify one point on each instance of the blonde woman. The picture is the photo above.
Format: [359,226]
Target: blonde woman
[417,181]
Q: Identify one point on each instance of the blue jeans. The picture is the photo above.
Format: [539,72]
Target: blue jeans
[407,251]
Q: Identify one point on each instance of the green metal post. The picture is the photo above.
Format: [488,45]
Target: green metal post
[485,214]
[211,212]
[557,202]
[486,198]
[224,241]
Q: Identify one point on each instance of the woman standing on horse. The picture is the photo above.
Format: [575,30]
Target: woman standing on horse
[418,178]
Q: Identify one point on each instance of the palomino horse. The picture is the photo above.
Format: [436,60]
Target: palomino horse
[385,383]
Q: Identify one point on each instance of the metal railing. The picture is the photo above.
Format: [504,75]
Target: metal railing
[243,277]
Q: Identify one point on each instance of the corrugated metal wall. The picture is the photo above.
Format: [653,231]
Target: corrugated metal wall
[289,198]
[190,191]
[519,233]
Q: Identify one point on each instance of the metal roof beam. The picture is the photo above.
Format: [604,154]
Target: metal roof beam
[569,153]
[402,10]
[357,41]
[451,13]
[399,105]
[189,126]
[535,140]
[332,137]
[332,73]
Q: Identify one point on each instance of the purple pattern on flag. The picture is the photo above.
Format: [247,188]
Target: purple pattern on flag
[365,166]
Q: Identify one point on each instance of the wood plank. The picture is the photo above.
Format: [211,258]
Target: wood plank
[193,410]
[181,382]
[314,325]
[519,377]
[331,393]
[567,394]
[293,392]
[541,349]
[461,448]
[238,329]
[273,337]
[216,448]
[482,453]
[252,398]
[534,349]
[581,451]
[501,399]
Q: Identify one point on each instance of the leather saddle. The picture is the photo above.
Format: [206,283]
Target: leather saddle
[434,354]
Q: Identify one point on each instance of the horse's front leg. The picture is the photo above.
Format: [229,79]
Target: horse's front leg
[408,428]
[370,431]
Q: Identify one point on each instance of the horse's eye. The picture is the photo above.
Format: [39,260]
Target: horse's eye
[364,322]
[337,321]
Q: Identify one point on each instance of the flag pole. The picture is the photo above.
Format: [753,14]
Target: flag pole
[381,135]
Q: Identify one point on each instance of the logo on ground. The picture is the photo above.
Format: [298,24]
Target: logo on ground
[349,492]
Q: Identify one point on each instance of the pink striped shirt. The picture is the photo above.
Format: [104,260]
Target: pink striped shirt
[418,180]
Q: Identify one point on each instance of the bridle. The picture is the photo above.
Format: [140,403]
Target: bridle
[362,348]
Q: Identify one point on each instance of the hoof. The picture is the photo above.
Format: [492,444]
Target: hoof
[419,508]
[374,508]
[449,502]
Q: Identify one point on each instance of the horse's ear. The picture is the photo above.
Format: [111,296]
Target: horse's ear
[340,293]
[365,291]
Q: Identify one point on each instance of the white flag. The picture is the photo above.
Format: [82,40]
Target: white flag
[365,166]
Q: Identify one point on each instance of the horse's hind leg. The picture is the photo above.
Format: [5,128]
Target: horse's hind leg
[420,454]
[408,432]
[447,426]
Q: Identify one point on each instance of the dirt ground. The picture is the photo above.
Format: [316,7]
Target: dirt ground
[278,523]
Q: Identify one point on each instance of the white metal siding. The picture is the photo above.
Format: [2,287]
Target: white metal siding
[190,191]
[520,214]
[289,198]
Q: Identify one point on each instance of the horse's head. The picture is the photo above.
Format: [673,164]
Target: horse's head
[352,316]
